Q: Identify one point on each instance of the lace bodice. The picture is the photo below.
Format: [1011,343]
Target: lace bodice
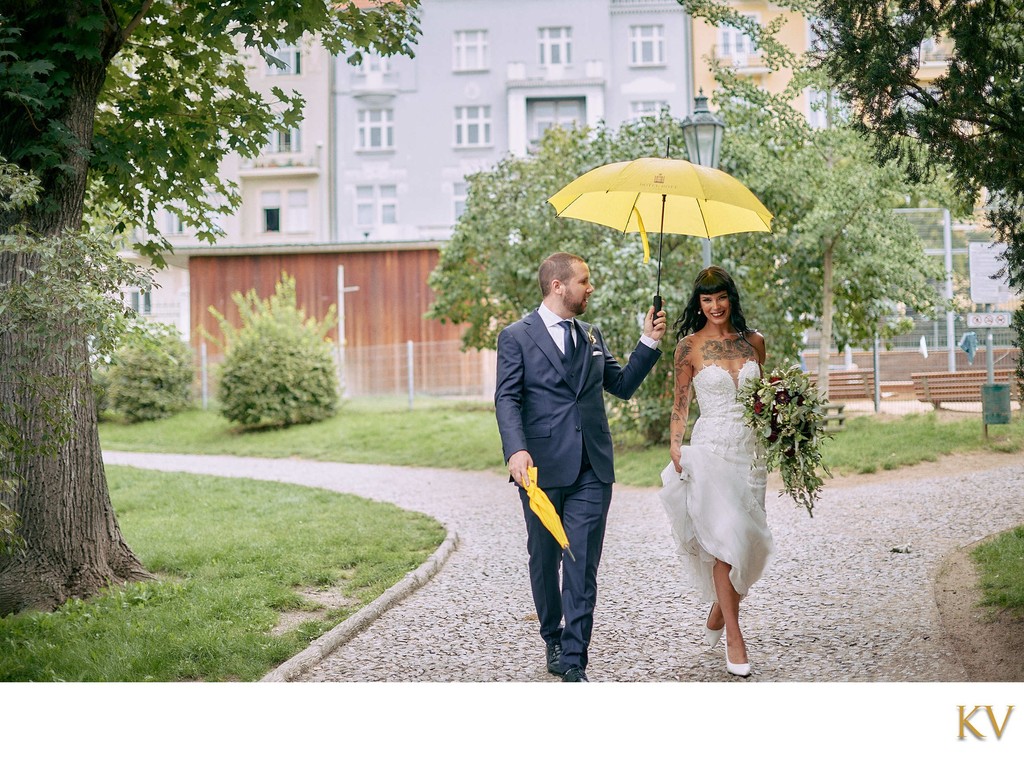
[720,426]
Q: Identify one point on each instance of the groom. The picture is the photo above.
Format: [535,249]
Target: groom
[550,409]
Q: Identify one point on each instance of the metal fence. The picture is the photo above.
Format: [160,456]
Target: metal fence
[437,369]
[443,369]
[417,368]
[928,348]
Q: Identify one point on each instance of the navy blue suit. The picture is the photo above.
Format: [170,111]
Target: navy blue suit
[555,411]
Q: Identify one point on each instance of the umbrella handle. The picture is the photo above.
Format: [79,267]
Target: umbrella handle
[657,304]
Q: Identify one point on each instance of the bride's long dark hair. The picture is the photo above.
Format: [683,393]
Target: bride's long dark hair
[711,280]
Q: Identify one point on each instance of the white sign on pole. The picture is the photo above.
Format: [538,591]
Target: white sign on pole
[985,289]
[988,320]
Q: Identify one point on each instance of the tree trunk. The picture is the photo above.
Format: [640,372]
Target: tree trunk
[825,343]
[73,545]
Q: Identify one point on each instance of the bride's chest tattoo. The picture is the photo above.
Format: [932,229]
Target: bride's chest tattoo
[726,349]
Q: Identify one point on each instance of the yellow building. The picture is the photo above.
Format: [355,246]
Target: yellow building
[732,47]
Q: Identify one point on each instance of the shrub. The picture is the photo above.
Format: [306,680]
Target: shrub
[151,374]
[278,368]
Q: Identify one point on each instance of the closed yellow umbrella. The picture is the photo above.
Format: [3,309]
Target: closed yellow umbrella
[541,505]
[663,195]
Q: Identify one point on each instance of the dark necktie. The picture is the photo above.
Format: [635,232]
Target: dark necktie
[567,342]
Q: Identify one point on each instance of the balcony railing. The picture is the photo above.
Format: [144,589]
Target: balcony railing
[935,52]
[744,63]
[281,164]
[374,83]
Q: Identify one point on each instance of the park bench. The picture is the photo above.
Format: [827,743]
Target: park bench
[835,417]
[937,387]
[849,385]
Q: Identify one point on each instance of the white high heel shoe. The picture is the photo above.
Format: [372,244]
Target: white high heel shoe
[711,637]
[741,669]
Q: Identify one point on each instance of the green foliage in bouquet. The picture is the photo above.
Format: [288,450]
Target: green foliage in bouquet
[150,376]
[279,366]
[787,415]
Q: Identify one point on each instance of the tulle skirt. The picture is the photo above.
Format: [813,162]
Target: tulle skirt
[716,511]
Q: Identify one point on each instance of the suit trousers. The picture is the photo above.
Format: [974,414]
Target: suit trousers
[583,507]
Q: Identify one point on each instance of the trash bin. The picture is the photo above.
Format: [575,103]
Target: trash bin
[995,403]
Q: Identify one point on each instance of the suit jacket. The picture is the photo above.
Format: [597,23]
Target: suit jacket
[542,410]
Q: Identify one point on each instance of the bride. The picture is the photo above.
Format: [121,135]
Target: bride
[715,487]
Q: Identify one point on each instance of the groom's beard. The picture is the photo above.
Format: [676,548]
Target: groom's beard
[574,306]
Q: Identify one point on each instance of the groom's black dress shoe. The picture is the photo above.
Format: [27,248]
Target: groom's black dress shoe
[555,659]
[575,675]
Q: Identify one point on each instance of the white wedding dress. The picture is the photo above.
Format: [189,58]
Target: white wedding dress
[716,506]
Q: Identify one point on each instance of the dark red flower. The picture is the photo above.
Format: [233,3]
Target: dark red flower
[758,407]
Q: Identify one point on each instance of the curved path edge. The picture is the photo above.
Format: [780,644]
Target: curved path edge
[352,626]
[987,642]
[233,467]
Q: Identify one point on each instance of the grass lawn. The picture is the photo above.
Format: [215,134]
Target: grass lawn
[464,435]
[1000,564]
[231,554]
[458,435]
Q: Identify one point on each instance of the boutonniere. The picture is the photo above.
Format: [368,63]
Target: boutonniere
[590,336]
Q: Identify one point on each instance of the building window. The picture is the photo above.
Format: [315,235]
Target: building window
[175,225]
[647,45]
[542,113]
[555,45]
[285,141]
[297,219]
[376,205]
[735,44]
[459,193]
[141,301]
[640,109]
[286,59]
[374,64]
[470,50]
[270,203]
[472,125]
[376,130]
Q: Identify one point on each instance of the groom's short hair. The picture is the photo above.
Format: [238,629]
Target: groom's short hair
[557,267]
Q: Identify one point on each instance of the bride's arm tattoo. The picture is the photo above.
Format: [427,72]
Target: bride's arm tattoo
[683,377]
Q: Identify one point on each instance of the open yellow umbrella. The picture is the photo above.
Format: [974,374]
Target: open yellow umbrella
[541,505]
[666,195]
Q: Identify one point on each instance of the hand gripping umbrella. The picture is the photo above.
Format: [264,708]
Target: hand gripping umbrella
[686,198]
[545,510]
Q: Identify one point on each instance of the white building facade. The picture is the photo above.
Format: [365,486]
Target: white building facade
[384,147]
[488,77]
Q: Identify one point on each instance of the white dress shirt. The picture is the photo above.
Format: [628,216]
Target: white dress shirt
[552,321]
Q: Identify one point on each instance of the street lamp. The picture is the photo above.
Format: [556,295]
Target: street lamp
[703,132]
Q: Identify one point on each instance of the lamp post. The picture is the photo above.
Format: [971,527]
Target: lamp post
[703,132]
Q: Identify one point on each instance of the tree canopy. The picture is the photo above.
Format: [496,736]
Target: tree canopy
[128,106]
[173,99]
[968,117]
[486,276]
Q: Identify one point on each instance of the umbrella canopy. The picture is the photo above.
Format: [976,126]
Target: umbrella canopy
[541,505]
[665,195]
[633,197]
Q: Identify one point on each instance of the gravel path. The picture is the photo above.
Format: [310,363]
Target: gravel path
[848,597]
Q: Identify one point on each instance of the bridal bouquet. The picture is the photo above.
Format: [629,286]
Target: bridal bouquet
[787,415]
